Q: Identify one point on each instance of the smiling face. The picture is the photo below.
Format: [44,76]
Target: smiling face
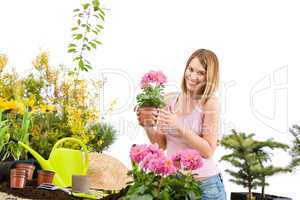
[201,75]
[195,76]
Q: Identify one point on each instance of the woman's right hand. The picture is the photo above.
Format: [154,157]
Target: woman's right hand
[147,116]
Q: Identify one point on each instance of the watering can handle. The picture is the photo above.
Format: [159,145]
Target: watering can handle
[77,141]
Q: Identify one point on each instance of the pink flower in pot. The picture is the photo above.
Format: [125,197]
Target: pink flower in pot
[151,97]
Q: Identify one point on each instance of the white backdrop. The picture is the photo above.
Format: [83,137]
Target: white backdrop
[257,43]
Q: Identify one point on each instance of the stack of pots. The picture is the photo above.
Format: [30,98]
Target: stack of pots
[24,172]
[17,178]
[19,175]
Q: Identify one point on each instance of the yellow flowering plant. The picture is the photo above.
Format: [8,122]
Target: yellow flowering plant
[61,104]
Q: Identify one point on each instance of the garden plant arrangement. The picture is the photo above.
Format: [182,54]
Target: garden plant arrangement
[46,104]
[151,96]
[295,149]
[156,176]
[252,162]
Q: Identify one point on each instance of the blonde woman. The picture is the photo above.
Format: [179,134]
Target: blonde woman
[191,118]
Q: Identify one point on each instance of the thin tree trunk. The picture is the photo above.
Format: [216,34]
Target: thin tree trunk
[249,196]
[263,187]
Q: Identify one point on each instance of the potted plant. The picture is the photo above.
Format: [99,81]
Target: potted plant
[156,176]
[103,135]
[252,161]
[13,130]
[151,97]
[295,149]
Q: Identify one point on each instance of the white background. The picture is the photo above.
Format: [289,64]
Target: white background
[257,43]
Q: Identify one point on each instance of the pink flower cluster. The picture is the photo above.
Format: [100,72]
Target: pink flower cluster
[188,159]
[156,77]
[151,158]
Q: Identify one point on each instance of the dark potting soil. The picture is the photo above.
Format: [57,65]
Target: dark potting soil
[31,192]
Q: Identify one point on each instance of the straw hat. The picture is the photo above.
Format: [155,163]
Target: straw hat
[107,172]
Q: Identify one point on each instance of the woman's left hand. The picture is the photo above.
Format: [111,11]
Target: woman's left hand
[167,120]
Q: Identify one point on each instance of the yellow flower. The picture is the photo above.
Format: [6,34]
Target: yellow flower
[42,60]
[31,102]
[20,107]
[43,108]
[112,106]
[8,105]
[100,142]
[47,108]
[3,61]
[51,108]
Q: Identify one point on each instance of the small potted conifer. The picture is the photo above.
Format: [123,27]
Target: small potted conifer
[253,164]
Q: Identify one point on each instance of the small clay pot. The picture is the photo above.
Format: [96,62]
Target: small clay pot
[81,183]
[29,169]
[17,178]
[45,176]
[146,116]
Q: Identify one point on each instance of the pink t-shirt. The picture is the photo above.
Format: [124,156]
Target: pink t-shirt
[194,121]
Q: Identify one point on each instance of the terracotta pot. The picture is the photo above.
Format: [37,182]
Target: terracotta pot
[29,169]
[146,116]
[81,183]
[17,178]
[45,176]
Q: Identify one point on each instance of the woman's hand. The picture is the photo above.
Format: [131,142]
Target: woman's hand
[146,116]
[167,121]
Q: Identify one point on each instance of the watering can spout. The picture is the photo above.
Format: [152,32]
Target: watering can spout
[43,162]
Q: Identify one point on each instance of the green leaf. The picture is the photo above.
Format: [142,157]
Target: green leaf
[76,10]
[95,32]
[85,6]
[72,51]
[81,64]
[93,45]
[97,41]
[72,45]
[100,26]
[78,36]
[96,4]
[74,28]
[146,197]
[101,12]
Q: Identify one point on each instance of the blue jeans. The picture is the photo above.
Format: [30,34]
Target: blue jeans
[213,188]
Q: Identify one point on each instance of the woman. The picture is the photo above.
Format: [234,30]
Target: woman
[191,120]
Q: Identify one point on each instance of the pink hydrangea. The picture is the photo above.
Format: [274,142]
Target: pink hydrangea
[156,77]
[159,165]
[139,152]
[188,159]
[166,167]
[152,158]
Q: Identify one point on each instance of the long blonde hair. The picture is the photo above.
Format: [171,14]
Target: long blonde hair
[209,61]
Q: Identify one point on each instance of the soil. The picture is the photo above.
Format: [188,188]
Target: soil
[31,192]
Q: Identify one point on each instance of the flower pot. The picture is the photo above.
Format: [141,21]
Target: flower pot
[81,183]
[17,178]
[146,116]
[29,168]
[5,167]
[256,196]
[45,176]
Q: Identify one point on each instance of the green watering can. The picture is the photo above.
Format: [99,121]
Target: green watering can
[63,161]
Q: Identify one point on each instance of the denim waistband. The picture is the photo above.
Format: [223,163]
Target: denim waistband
[213,178]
